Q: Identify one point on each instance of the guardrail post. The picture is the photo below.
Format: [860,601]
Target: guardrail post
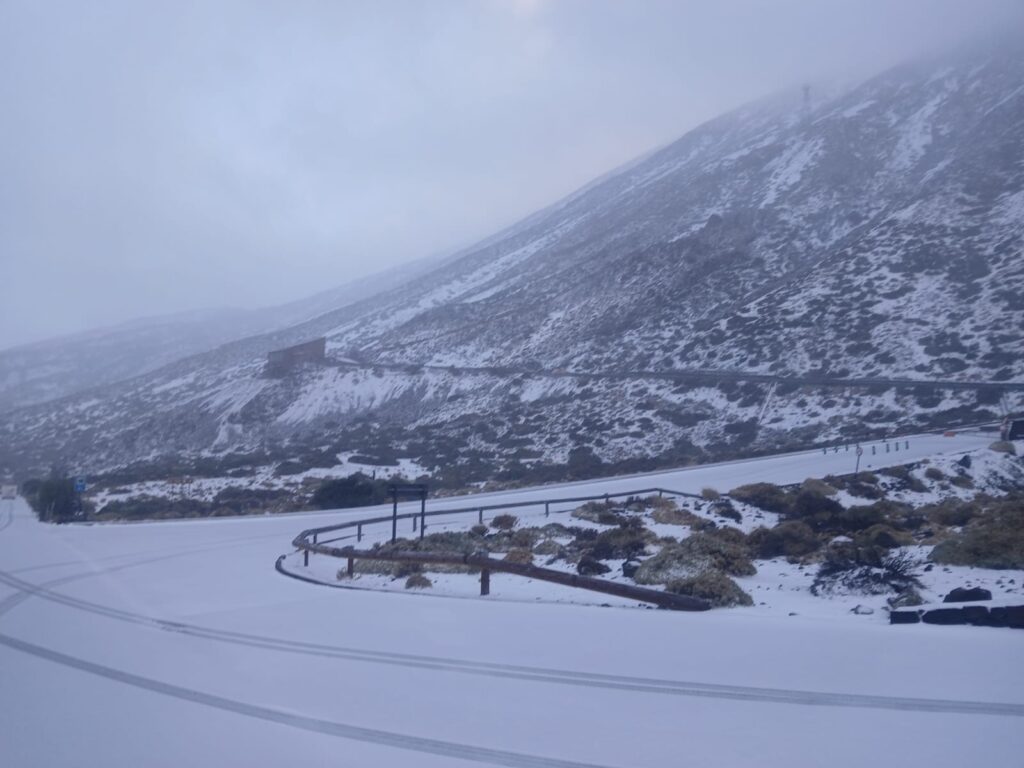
[305,557]
[423,515]
[314,538]
[351,566]
[659,493]
[480,517]
[359,532]
[414,524]
[485,582]
[394,520]
[906,445]
[547,509]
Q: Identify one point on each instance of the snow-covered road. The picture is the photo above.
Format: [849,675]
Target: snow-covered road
[177,643]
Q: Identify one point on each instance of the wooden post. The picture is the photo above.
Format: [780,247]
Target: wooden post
[480,517]
[305,557]
[423,514]
[547,509]
[351,566]
[394,517]
[414,524]
[359,532]
[485,582]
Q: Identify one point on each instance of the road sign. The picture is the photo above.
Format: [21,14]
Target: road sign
[79,484]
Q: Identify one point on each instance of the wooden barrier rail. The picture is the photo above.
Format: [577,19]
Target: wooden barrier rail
[310,541]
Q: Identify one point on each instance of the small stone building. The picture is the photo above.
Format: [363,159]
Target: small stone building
[281,361]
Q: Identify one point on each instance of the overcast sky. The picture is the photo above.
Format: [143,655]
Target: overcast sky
[166,156]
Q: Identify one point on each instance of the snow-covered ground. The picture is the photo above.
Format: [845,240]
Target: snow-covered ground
[177,643]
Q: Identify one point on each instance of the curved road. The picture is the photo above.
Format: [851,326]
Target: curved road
[172,643]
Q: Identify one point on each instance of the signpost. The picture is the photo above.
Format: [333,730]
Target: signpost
[860,452]
[417,490]
[80,485]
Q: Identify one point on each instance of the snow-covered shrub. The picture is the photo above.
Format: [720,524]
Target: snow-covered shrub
[853,569]
[696,554]
[714,586]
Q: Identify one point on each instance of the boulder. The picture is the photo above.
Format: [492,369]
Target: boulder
[967,595]
[944,616]
[629,568]
[904,617]
[965,461]
[591,566]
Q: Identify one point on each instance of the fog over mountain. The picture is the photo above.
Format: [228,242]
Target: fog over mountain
[170,157]
[773,277]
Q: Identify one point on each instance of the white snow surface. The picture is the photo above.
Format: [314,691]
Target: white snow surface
[177,643]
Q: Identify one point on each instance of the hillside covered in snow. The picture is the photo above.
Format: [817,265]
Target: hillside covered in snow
[872,234]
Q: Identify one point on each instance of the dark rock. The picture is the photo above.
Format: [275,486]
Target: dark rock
[965,461]
[1015,616]
[944,616]
[629,568]
[928,567]
[997,617]
[967,595]
[904,617]
[976,615]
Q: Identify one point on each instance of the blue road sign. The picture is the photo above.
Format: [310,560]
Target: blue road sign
[79,484]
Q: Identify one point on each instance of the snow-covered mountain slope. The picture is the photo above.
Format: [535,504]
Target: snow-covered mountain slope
[875,233]
[56,368]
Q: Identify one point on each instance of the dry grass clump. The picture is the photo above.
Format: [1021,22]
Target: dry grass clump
[521,556]
[504,522]
[820,487]
[418,581]
[602,512]
[710,494]
[1003,446]
[714,586]
[675,516]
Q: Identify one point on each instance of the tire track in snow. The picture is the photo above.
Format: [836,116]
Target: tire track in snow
[532,674]
[343,730]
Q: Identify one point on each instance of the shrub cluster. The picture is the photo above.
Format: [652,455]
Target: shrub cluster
[993,537]
[714,586]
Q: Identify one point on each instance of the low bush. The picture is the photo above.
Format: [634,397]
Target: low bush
[724,508]
[791,539]
[521,556]
[623,542]
[479,530]
[865,570]
[820,487]
[994,538]
[714,586]
[504,522]
[884,536]
[694,555]
[710,494]
[418,581]
[589,566]
[1003,446]
[952,512]
[675,516]
[815,509]
[766,496]
[934,473]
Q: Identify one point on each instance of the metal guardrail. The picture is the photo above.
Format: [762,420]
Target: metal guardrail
[310,541]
